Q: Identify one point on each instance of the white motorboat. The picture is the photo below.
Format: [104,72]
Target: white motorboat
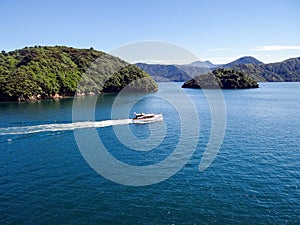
[147,118]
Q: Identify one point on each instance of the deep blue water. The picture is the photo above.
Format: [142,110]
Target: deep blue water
[255,178]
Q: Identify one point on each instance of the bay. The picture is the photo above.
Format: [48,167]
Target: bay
[255,178]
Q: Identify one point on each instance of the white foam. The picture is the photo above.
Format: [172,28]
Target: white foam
[62,127]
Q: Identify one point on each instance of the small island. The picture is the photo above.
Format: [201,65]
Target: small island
[221,78]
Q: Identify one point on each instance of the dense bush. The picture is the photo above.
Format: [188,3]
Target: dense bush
[221,78]
[43,72]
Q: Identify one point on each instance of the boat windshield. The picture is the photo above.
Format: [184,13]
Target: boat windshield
[143,116]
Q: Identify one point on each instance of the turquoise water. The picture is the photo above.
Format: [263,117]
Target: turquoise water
[255,178]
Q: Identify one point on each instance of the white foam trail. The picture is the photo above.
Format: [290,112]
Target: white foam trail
[62,127]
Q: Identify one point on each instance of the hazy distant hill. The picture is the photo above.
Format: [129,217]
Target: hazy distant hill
[161,73]
[193,71]
[203,64]
[44,71]
[242,61]
[175,73]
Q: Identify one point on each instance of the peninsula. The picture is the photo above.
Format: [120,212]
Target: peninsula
[43,72]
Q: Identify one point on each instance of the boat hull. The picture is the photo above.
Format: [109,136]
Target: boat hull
[155,118]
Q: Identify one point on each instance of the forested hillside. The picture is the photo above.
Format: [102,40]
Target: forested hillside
[43,72]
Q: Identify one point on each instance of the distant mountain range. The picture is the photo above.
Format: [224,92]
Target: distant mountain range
[287,70]
[175,73]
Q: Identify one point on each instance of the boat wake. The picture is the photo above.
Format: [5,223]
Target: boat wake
[62,127]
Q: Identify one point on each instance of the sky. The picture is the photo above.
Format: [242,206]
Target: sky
[216,30]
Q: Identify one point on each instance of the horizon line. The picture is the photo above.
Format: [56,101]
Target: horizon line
[211,60]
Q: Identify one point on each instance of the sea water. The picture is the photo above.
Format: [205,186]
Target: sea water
[254,178]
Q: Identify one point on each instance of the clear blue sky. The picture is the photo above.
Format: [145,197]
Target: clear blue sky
[220,31]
